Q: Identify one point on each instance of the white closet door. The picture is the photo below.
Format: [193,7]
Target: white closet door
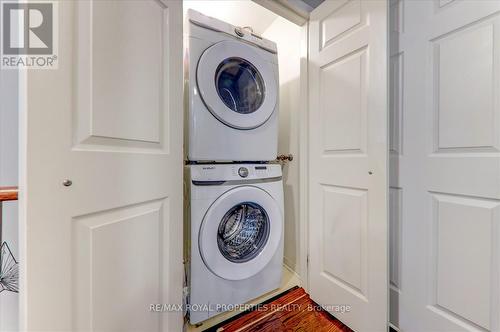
[96,254]
[348,161]
[450,166]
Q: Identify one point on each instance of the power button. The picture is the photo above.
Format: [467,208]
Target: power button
[243,172]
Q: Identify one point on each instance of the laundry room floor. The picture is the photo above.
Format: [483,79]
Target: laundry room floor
[292,311]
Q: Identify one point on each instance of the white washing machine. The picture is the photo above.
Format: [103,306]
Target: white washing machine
[235,247]
[233,92]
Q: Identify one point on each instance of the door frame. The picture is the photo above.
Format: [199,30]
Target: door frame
[22,212]
[304,157]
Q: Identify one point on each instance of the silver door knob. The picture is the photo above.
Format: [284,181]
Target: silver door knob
[67,183]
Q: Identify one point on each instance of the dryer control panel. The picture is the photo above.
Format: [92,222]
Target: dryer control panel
[217,25]
[234,172]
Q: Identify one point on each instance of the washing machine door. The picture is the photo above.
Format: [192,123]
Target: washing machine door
[237,85]
[240,233]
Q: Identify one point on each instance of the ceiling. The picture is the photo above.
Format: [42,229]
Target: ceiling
[235,12]
[304,5]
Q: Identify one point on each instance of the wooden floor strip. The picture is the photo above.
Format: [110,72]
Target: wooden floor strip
[292,311]
[265,316]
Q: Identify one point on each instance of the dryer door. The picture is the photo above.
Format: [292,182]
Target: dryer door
[240,233]
[237,85]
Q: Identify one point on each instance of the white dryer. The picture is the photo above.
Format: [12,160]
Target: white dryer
[235,246]
[233,92]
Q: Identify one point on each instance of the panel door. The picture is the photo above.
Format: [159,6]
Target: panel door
[449,165]
[348,161]
[96,254]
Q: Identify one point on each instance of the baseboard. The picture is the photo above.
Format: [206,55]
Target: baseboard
[393,327]
[291,270]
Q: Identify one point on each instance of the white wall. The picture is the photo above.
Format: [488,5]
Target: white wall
[8,176]
[287,36]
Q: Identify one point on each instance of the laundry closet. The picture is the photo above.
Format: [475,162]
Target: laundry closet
[332,120]
[267,58]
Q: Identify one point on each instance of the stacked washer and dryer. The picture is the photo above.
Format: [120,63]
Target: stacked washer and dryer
[234,195]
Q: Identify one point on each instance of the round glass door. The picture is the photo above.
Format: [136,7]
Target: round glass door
[243,232]
[239,85]
[240,233]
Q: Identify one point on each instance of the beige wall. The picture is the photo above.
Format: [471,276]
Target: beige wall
[287,37]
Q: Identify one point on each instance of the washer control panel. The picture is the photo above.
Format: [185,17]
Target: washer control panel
[228,172]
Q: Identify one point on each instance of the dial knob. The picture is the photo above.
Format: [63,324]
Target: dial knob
[243,172]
